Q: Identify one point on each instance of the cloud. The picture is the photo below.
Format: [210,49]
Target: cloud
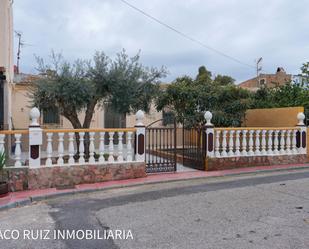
[246,30]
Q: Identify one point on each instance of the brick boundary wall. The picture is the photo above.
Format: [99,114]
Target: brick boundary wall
[252,161]
[63,176]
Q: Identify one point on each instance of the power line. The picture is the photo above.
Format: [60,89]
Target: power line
[185,35]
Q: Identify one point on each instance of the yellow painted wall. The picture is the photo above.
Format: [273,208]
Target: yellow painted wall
[272,117]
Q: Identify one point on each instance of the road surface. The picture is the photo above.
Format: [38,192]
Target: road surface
[269,210]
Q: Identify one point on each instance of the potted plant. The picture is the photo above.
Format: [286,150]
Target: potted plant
[4,186]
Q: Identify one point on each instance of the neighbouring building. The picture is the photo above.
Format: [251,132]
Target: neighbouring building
[269,80]
[6,63]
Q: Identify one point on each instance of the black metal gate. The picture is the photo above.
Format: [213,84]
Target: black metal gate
[194,147]
[161,145]
[2,79]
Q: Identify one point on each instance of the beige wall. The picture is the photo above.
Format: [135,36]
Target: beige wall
[272,117]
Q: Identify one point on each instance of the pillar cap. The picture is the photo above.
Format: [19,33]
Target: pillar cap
[34,116]
[139,118]
[301,118]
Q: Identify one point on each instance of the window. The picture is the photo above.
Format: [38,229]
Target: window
[51,116]
[168,118]
[262,82]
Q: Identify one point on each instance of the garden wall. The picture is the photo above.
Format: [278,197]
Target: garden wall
[68,176]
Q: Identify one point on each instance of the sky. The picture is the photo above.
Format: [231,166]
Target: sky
[276,30]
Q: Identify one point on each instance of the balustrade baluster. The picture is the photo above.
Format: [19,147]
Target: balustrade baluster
[231,143]
[71,148]
[49,149]
[263,151]
[224,154]
[294,148]
[2,141]
[217,148]
[129,147]
[17,150]
[251,152]
[120,147]
[257,143]
[60,148]
[244,143]
[282,142]
[237,143]
[288,142]
[270,142]
[81,159]
[91,147]
[276,142]
[101,147]
[111,147]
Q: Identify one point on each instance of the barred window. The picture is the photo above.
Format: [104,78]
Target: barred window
[168,118]
[51,116]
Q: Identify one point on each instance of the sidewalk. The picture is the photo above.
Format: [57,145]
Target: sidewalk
[23,198]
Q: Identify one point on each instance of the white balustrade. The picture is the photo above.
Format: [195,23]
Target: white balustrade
[263,144]
[71,148]
[101,148]
[129,147]
[111,147]
[224,154]
[231,143]
[270,142]
[276,142]
[120,147]
[217,144]
[257,151]
[244,143]
[81,148]
[2,141]
[17,150]
[282,142]
[49,149]
[237,143]
[288,142]
[251,152]
[91,147]
[60,160]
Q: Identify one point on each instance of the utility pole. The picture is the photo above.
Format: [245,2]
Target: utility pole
[258,69]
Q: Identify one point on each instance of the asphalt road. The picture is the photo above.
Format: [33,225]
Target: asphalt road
[269,210]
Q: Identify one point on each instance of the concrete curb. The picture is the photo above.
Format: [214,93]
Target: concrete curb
[32,199]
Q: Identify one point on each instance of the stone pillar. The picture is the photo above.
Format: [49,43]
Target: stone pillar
[209,136]
[35,139]
[140,137]
[301,135]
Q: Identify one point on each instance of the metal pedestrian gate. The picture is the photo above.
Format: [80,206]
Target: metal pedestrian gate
[161,145]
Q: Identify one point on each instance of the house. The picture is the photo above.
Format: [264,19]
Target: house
[269,80]
[102,118]
[6,62]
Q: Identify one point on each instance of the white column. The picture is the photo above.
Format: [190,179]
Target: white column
[282,142]
[276,142]
[288,142]
[257,143]
[224,142]
[217,146]
[2,138]
[270,142]
[60,148]
[111,147]
[294,149]
[129,147]
[120,147]
[251,152]
[71,148]
[81,159]
[91,147]
[237,143]
[49,149]
[263,151]
[231,143]
[244,143]
[101,148]
[17,150]
[140,137]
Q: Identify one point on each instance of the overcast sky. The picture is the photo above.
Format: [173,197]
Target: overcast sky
[276,30]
